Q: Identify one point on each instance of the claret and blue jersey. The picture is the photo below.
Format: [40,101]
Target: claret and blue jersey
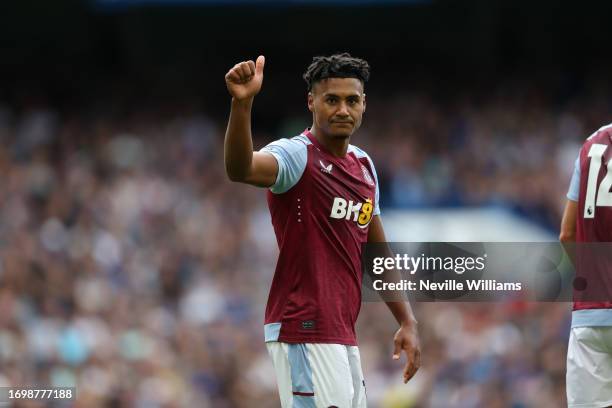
[590,188]
[321,207]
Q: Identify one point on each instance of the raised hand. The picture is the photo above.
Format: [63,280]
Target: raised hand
[244,80]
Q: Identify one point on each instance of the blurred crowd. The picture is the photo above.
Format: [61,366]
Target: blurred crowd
[131,268]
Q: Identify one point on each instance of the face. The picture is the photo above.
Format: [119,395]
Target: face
[337,106]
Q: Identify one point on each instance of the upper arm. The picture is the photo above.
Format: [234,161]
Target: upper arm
[264,170]
[574,187]
[376,232]
[291,156]
[570,213]
[279,165]
[377,193]
[568,222]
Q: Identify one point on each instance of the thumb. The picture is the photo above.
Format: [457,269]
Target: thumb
[259,65]
[397,350]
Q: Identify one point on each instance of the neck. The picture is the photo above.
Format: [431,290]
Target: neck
[337,146]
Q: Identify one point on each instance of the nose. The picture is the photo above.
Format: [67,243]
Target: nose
[342,109]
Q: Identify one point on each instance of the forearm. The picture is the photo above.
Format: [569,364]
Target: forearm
[238,140]
[567,237]
[402,311]
[396,302]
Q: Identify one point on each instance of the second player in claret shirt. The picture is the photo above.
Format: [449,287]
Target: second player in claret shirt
[324,201]
[588,219]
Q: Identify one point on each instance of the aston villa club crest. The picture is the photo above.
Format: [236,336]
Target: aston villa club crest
[366,175]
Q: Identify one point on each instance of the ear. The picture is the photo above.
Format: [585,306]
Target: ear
[310,101]
[364,102]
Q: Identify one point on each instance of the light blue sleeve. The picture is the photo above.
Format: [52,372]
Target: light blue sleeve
[360,153]
[574,188]
[291,155]
[377,194]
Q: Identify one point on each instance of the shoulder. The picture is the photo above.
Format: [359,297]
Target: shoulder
[358,152]
[361,154]
[603,135]
[295,144]
[293,150]
[607,129]
[604,132]
[292,157]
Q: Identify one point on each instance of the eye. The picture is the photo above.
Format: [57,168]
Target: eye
[330,100]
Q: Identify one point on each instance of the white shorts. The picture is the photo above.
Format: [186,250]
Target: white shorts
[589,367]
[318,375]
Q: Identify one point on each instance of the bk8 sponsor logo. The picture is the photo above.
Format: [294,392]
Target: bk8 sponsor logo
[361,213]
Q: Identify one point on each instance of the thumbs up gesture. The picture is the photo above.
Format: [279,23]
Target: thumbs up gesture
[244,80]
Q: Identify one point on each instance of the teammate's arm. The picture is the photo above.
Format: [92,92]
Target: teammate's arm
[406,338]
[243,82]
[567,236]
[568,222]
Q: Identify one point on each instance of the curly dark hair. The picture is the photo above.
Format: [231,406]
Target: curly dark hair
[336,66]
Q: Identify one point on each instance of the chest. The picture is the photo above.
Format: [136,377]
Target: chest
[341,190]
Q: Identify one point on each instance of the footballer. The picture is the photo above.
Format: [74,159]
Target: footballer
[324,203]
[588,218]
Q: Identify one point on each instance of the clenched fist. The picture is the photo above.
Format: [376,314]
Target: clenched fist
[244,80]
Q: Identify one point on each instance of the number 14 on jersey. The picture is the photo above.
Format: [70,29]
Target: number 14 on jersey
[604,196]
